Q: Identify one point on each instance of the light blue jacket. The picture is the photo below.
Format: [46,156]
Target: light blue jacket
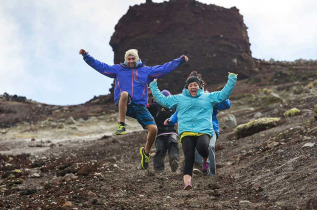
[194,113]
[215,123]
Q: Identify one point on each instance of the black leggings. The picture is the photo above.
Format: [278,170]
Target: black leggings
[189,143]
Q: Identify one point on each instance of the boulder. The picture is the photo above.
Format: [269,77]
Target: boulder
[228,121]
[255,126]
[292,112]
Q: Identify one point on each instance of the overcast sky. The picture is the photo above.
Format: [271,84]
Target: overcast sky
[40,40]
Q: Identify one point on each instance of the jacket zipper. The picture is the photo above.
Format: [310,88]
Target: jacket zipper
[118,84]
[144,90]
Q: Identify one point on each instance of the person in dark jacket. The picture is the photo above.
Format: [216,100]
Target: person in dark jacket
[166,139]
[131,91]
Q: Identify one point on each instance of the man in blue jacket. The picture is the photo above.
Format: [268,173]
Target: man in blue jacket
[131,91]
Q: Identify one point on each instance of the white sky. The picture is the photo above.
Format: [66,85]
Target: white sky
[40,40]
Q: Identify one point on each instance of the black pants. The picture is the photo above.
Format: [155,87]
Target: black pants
[189,143]
[163,144]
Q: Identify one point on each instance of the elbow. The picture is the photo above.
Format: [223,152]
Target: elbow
[229,105]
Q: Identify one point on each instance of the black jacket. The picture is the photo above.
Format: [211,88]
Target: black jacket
[160,114]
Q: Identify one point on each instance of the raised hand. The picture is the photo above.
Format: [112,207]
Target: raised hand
[82,52]
[185,57]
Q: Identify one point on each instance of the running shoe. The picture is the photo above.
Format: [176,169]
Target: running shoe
[188,186]
[206,168]
[144,158]
[197,171]
[120,129]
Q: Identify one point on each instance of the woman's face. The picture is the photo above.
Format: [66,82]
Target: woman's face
[193,88]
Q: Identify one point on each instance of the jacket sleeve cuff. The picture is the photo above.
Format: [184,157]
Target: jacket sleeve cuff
[182,59]
[233,75]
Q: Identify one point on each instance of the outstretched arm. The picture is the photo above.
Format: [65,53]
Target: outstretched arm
[168,102]
[161,70]
[174,118]
[220,96]
[101,67]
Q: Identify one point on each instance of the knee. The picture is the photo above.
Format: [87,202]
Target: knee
[124,95]
[203,151]
[173,156]
[152,129]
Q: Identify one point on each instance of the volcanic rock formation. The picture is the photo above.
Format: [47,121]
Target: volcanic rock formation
[214,38]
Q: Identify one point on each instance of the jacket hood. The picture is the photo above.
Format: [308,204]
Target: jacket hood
[138,64]
[187,93]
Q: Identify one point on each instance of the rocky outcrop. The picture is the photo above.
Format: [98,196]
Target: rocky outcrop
[17,98]
[292,112]
[214,38]
[255,126]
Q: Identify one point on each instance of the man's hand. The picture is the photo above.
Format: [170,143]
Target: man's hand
[82,52]
[185,57]
[167,121]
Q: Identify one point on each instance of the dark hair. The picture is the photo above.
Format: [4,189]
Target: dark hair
[195,76]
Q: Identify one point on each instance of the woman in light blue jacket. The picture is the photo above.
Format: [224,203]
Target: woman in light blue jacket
[194,109]
[215,124]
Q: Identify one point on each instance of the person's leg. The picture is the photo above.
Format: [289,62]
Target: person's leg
[152,131]
[203,149]
[161,149]
[144,117]
[173,152]
[198,158]
[145,151]
[187,182]
[188,144]
[212,156]
[202,146]
[124,100]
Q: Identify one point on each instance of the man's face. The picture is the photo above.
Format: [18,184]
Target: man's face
[193,88]
[131,61]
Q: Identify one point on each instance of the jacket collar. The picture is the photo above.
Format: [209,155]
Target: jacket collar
[139,64]
[187,93]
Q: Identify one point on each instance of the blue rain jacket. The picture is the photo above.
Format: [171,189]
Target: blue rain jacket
[133,80]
